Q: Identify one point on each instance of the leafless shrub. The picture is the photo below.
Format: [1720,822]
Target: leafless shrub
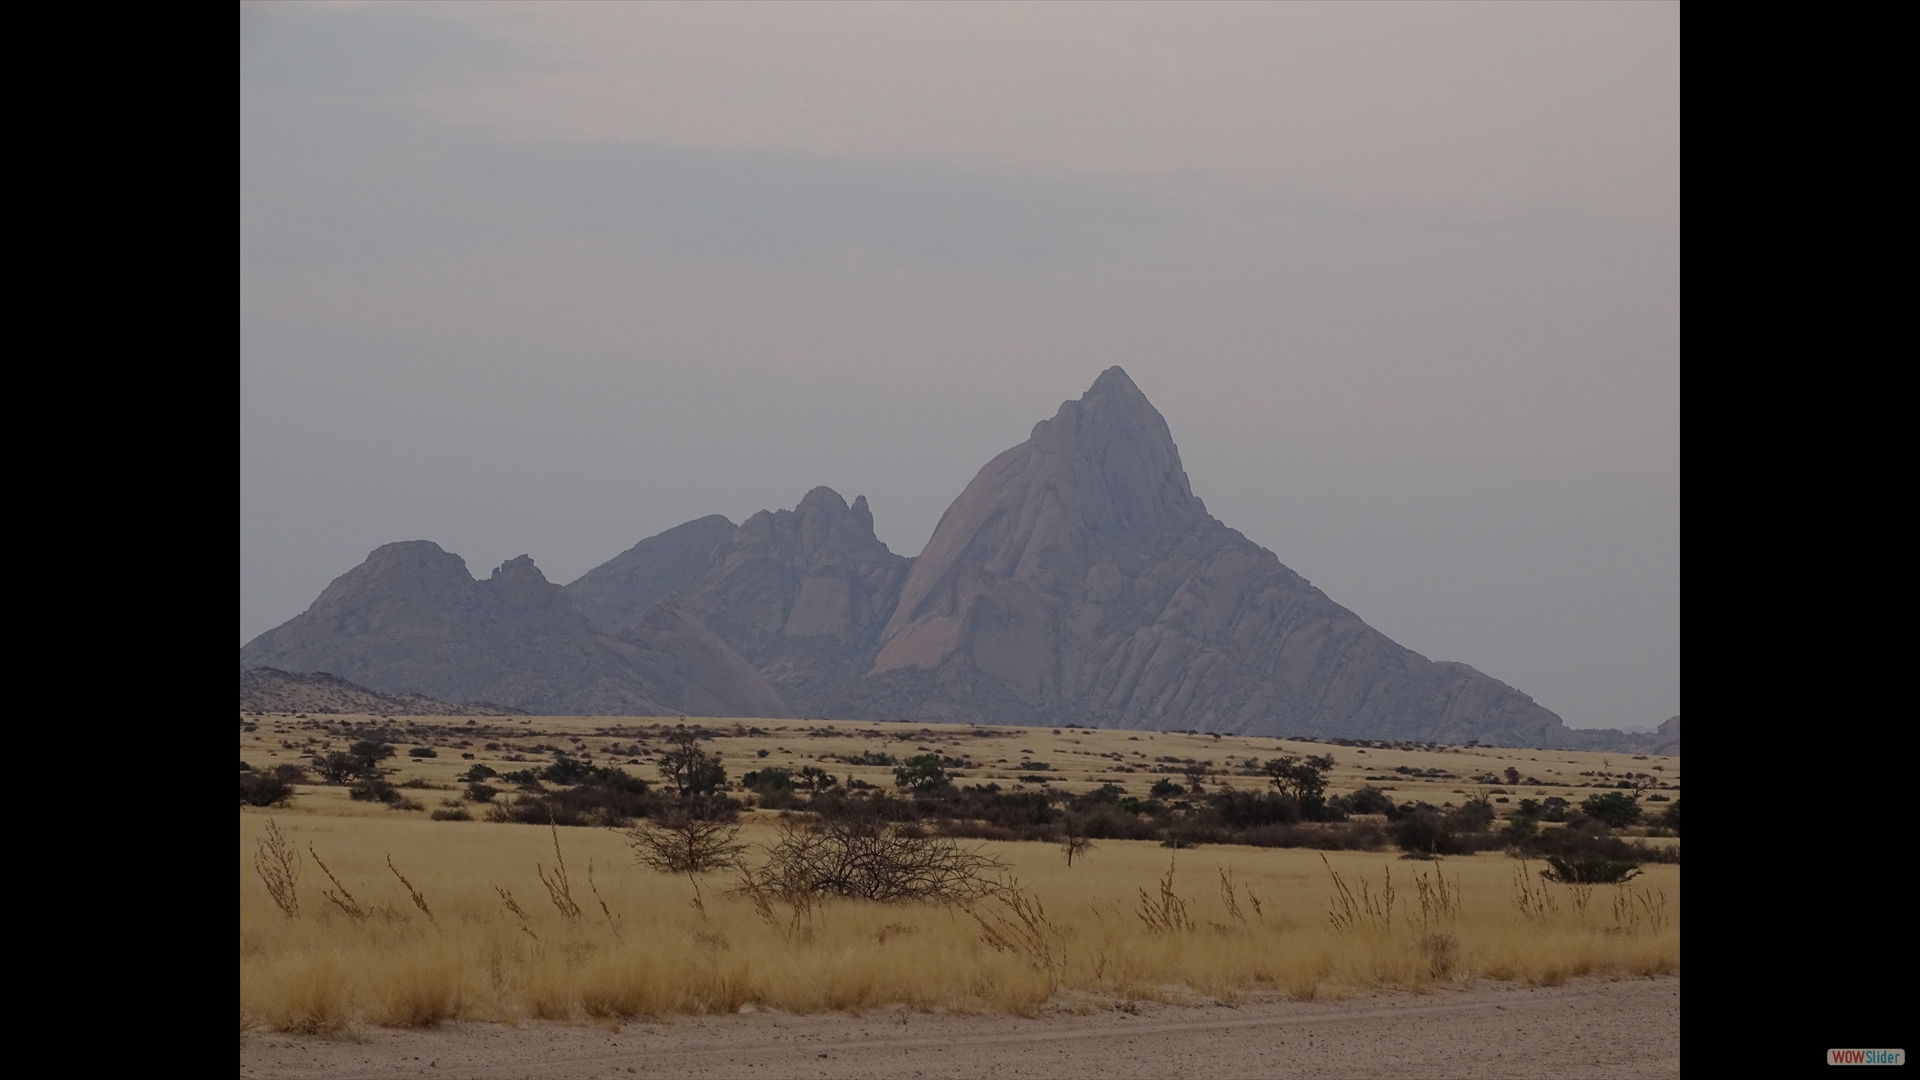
[873,860]
[686,840]
[1073,839]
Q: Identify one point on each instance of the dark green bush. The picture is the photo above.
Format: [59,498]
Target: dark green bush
[370,753]
[1520,828]
[1425,831]
[780,799]
[338,768]
[566,770]
[1670,818]
[593,805]
[373,789]
[1368,800]
[1236,810]
[422,752]
[1587,868]
[1108,822]
[921,773]
[1474,817]
[259,790]
[1593,839]
[1613,808]
[1347,837]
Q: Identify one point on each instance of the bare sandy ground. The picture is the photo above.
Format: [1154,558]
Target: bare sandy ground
[1586,1028]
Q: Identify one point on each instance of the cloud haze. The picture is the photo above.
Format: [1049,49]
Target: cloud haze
[1402,278]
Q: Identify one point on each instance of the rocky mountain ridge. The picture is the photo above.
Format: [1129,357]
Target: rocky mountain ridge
[410,619]
[1076,579]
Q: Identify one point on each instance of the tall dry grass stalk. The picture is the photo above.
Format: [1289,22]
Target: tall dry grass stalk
[559,889]
[1439,900]
[1531,898]
[418,900]
[1352,911]
[1016,923]
[338,896]
[278,865]
[1166,914]
[485,955]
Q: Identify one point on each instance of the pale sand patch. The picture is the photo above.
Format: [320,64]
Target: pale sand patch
[1586,1028]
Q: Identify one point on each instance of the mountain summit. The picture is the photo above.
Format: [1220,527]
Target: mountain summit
[1078,578]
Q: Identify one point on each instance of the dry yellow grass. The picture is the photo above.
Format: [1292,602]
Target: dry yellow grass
[443,943]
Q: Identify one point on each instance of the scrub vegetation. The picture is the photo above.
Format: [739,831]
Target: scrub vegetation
[685,868]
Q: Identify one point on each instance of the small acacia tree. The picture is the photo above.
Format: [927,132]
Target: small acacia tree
[370,754]
[692,771]
[921,773]
[336,767]
[1305,780]
[1074,842]
[1196,775]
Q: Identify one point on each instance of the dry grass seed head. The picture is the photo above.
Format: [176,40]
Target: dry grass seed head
[418,900]
[342,899]
[1167,915]
[278,865]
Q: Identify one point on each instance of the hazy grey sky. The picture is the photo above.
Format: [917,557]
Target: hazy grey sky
[1403,278]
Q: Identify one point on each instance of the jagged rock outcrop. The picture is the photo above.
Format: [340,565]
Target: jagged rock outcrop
[804,594]
[1078,578]
[618,591]
[270,690]
[410,619]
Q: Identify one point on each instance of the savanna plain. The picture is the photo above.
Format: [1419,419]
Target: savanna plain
[464,900]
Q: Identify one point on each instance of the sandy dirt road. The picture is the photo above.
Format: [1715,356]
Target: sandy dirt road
[1586,1028]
